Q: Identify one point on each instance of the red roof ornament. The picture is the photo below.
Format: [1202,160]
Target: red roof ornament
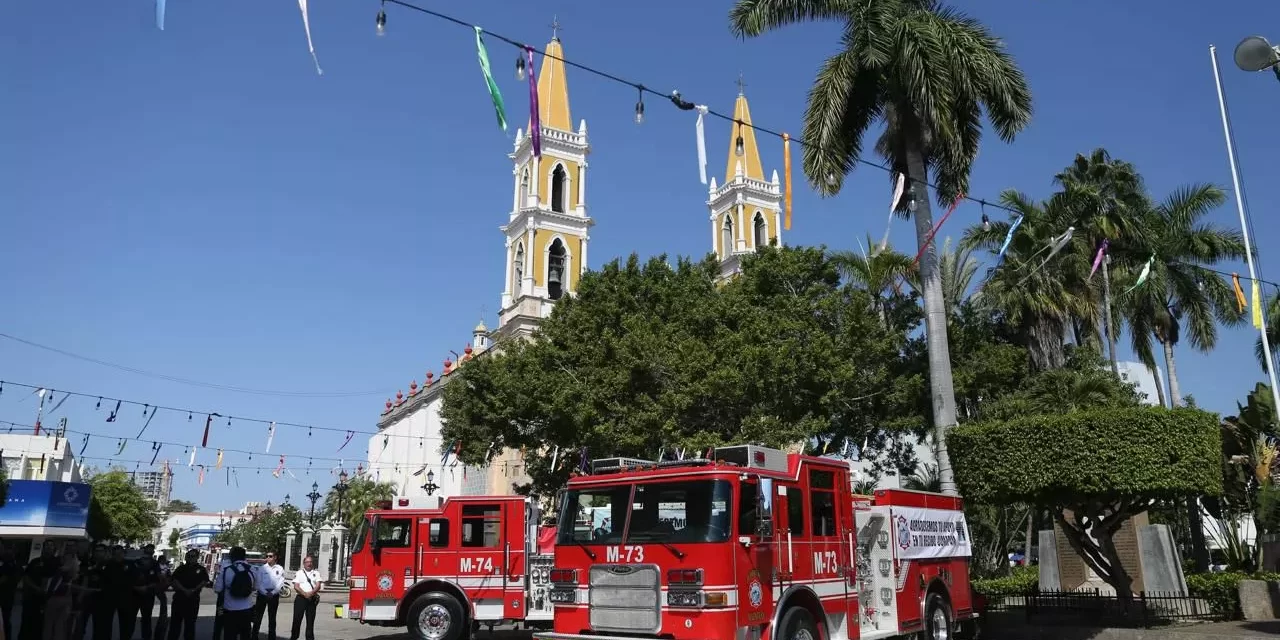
[388,409]
[413,388]
[466,353]
[399,397]
[429,377]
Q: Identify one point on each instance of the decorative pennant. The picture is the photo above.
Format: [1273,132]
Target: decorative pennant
[114,412]
[279,468]
[898,188]
[934,231]
[535,120]
[157,446]
[43,457]
[84,446]
[1257,306]
[1058,244]
[419,471]
[148,422]
[218,464]
[59,404]
[306,24]
[271,434]
[1097,260]
[352,434]
[1008,237]
[495,94]
[192,461]
[1241,302]
[160,14]
[554,456]
[701,134]
[123,443]
[200,477]
[204,440]
[1142,277]
[786,181]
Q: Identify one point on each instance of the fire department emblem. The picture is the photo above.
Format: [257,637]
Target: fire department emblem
[756,593]
[904,533]
[385,581]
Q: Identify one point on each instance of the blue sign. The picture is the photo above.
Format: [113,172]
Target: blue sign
[37,503]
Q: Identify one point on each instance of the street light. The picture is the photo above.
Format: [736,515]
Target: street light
[431,486]
[286,500]
[313,496]
[1256,53]
[341,488]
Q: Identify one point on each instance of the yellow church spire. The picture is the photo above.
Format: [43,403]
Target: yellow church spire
[553,87]
[744,132]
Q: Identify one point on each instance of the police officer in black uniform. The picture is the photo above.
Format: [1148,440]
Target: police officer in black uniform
[113,601]
[146,579]
[188,580]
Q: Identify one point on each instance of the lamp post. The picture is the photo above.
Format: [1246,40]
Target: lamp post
[313,496]
[341,488]
[1256,53]
[431,486]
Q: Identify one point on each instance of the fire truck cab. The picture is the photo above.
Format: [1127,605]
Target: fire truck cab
[754,544]
[444,570]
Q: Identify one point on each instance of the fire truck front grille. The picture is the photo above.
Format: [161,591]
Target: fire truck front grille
[625,598]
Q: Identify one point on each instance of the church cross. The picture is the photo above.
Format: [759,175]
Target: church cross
[555,28]
[741,85]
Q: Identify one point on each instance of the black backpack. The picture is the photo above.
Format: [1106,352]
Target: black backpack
[241,581]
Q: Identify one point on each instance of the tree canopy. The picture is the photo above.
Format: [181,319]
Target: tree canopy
[362,492]
[181,506]
[118,510]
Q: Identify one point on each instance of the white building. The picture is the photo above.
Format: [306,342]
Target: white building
[43,457]
[182,522]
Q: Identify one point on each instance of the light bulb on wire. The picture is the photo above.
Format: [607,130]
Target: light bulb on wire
[381,21]
[519,69]
[911,206]
[738,147]
[640,106]
[986,222]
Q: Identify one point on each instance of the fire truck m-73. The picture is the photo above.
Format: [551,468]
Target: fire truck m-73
[756,544]
[442,570]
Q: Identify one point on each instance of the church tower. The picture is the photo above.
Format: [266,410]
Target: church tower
[547,230]
[746,212]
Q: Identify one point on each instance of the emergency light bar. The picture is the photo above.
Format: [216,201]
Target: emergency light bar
[615,465]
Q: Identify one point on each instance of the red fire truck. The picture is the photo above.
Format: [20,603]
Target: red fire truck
[756,544]
[443,570]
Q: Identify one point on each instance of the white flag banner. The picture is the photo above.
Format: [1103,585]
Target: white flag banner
[930,533]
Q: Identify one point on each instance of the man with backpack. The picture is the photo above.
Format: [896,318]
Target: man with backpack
[235,583]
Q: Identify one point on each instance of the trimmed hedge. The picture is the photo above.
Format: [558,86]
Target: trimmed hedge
[1021,580]
[1222,590]
[1145,452]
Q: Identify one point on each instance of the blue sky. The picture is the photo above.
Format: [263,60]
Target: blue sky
[197,202]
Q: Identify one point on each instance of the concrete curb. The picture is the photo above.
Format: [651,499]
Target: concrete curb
[1220,631]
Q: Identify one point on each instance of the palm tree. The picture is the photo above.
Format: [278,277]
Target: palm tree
[1038,294]
[930,73]
[1180,292]
[956,269]
[362,492]
[925,478]
[1106,198]
[876,273]
[1273,330]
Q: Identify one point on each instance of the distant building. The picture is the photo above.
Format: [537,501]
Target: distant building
[155,485]
[42,457]
[1147,382]
[195,529]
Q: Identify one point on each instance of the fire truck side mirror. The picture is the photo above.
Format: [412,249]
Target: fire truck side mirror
[764,509]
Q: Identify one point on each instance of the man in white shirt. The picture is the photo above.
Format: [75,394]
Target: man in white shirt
[307,586]
[270,580]
[236,583]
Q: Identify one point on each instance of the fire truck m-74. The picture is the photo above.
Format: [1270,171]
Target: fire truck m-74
[444,569]
[756,544]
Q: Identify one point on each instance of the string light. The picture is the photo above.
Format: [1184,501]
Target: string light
[640,104]
[381,21]
[986,221]
[519,68]
[739,147]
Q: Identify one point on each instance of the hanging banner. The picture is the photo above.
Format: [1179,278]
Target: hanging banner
[930,533]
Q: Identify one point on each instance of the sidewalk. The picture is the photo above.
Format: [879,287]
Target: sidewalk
[1239,630]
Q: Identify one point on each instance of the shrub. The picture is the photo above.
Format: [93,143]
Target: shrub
[1222,590]
[1022,580]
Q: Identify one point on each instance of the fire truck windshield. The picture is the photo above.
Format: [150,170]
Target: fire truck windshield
[659,512]
[362,532]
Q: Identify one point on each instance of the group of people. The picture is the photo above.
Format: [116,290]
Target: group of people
[74,597]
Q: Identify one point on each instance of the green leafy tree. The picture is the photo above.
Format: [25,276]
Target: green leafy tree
[181,506]
[1093,469]
[660,356]
[929,72]
[361,493]
[118,510]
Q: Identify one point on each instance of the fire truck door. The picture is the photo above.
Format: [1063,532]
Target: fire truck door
[480,559]
[753,557]
[849,543]
[514,556]
[392,555]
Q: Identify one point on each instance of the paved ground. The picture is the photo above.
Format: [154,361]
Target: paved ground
[327,627]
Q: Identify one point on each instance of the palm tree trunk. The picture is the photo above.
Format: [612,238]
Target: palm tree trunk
[1199,549]
[1175,393]
[1106,315]
[1155,375]
[941,385]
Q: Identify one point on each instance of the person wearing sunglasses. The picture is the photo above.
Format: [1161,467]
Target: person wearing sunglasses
[270,580]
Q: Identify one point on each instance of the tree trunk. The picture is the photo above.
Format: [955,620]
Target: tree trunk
[1106,314]
[1155,375]
[941,385]
[1031,523]
[1045,344]
[1175,393]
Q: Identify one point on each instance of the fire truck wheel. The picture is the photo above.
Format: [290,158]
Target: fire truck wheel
[797,624]
[436,616]
[937,618]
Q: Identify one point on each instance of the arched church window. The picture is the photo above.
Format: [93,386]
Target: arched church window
[524,188]
[726,235]
[761,231]
[519,267]
[559,188]
[555,270]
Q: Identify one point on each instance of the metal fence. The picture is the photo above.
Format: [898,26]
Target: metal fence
[1096,608]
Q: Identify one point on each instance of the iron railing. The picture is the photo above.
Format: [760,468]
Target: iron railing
[1095,608]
